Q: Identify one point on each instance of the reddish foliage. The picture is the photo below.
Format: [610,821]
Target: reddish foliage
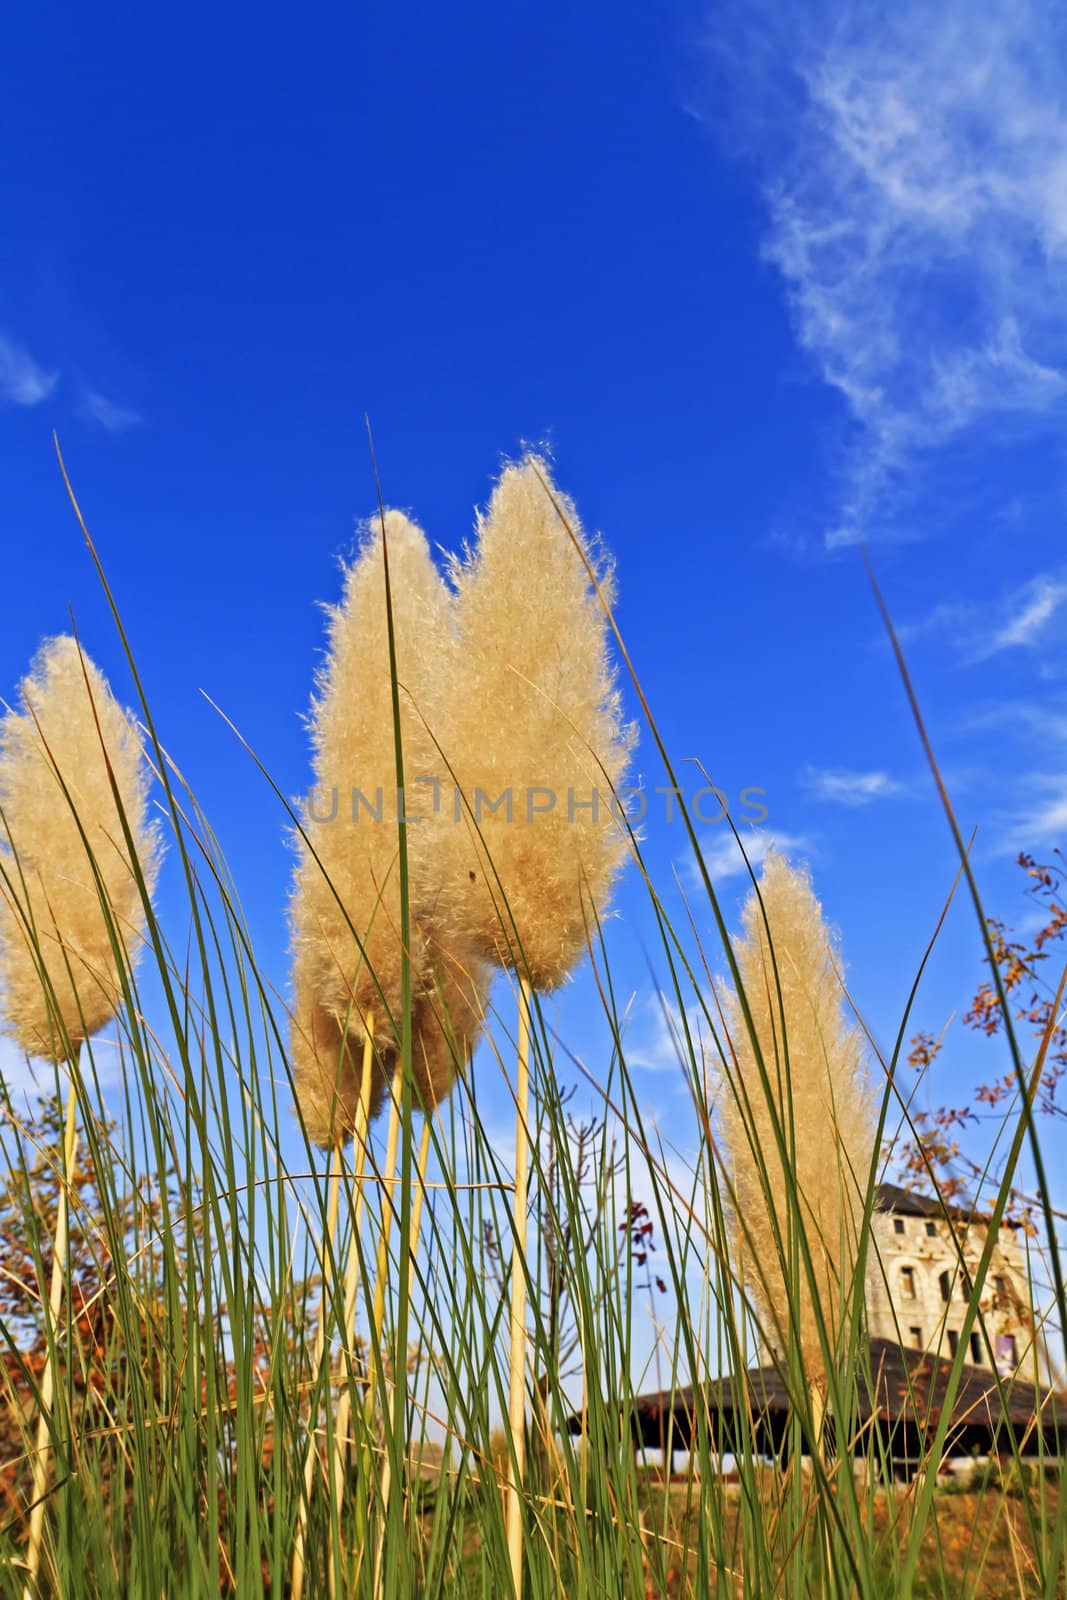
[1017,985]
[95,1346]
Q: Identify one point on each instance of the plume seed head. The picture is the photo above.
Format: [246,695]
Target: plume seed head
[537,714]
[448,1015]
[345,911]
[817,1099]
[68,891]
[326,1062]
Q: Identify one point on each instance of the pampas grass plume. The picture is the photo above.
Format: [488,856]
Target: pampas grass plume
[60,980]
[820,1104]
[326,1077]
[346,908]
[535,709]
[448,1015]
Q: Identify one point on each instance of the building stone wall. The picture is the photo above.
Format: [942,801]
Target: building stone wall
[919,1284]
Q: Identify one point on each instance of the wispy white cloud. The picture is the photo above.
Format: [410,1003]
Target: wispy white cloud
[724,860]
[918,214]
[1031,817]
[1041,815]
[1017,620]
[953,620]
[23,380]
[656,1037]
[115,418]
[846,788]
[1035,606]
[28,1078]
[16,1072]
[1037,721]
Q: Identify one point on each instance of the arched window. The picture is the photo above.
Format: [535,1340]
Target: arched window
[945,1281]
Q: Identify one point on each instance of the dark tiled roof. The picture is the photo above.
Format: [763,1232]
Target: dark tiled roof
[903,1203]
[903,1396]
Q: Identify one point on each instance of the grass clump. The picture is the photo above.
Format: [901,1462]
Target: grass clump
[270,1379]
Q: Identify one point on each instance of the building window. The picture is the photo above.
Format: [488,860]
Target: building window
[953,1341]
[907,1282]
[1005,1352]
[915,1336]
[945,1281]
[931,1230]
[898,1224]
[976,1349]
[1000,1288]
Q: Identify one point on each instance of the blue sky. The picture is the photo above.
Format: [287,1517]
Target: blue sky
[766,288]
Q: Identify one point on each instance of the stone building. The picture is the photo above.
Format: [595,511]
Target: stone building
[919,1284]
[919,1289]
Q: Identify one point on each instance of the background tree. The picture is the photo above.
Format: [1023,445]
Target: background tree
[1022,963]
[123,1230]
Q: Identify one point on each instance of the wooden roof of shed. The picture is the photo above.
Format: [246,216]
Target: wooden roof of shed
[903,1395]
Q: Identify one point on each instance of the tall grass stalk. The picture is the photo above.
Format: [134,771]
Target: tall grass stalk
[357,1199]
[517,1356]
[377,1315]
[328,1260]
[55,1296]
[413,1246]
[311,1456]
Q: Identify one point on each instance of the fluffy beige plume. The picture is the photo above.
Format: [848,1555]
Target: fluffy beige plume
[326,1075]
[821,1104]
[345,975]
[59,978]
[536,715]
[448,1015]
